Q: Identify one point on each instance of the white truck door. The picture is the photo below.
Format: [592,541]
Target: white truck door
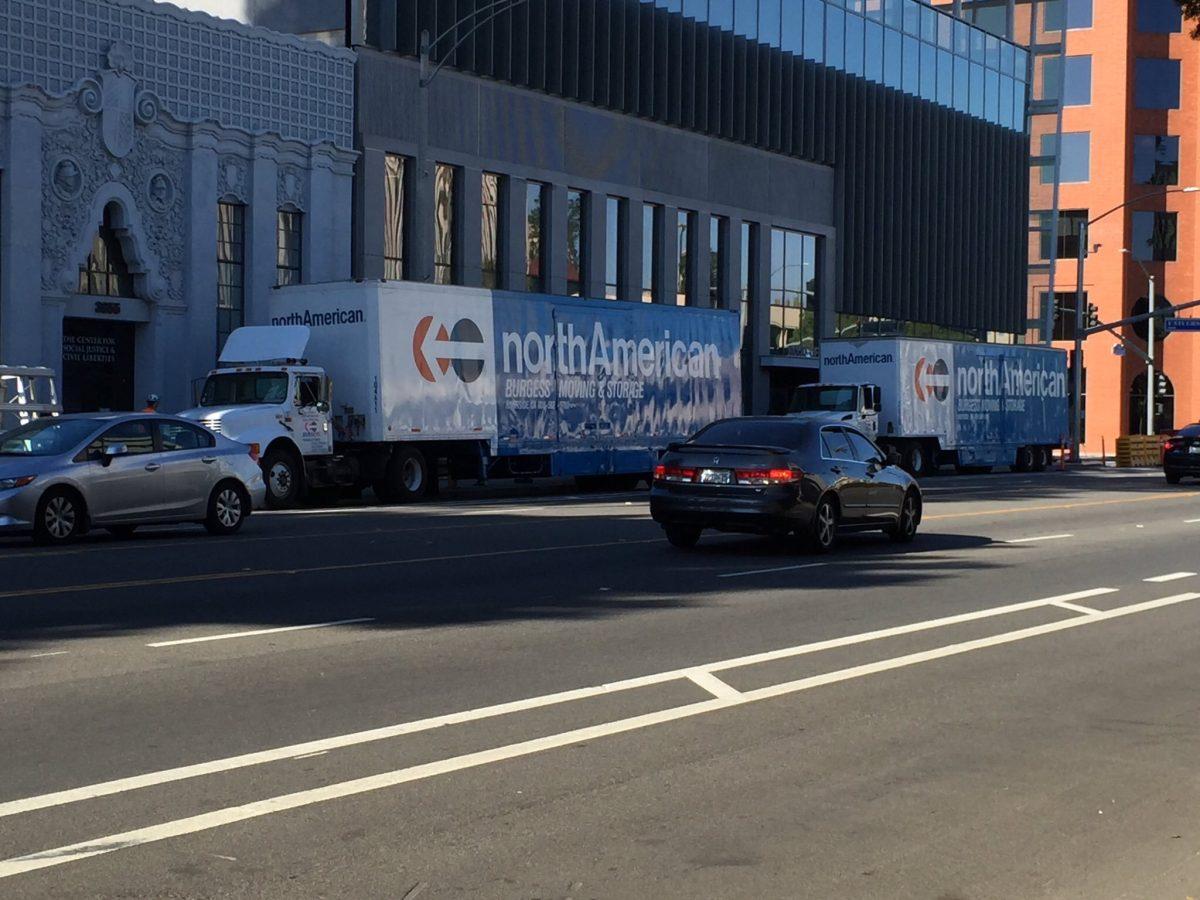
[313,433]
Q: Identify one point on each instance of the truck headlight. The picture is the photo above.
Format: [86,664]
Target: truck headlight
[8,484]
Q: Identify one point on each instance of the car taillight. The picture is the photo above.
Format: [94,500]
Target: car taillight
[767,476]
[1172,444]
[674,473]
[254,454]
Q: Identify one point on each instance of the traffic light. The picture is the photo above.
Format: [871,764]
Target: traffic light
[1092,316]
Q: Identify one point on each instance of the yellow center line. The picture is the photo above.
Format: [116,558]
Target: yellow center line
[1147,498]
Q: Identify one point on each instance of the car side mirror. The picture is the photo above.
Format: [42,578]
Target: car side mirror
[894,458]
[111,452]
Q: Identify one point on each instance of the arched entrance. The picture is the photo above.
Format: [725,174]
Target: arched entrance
[98,353]
[1164,404]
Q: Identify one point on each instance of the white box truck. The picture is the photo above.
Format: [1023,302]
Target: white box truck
[939,402]
[385,384]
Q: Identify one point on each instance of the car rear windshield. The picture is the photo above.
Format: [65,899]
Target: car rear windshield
[46,437]
[236,388]
[751,432]
[815,398]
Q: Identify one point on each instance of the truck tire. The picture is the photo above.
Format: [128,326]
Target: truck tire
[1027,459]
[284,475]
[916,459]
[408,476]
[1043,458]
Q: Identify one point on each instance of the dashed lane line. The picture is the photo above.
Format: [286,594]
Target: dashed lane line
[257,633]
[1042,537]
[300,799]
[1171,576]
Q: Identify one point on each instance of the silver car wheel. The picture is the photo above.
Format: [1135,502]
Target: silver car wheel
[825,525]
[908,517]
[280,479]
[60,517]
[229,508]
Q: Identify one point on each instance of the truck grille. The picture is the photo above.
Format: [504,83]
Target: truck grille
[213,424]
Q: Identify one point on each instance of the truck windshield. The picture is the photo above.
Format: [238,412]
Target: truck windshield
[236,388]
[46,437]
[823,398]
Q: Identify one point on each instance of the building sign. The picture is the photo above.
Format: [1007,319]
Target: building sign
[97,365]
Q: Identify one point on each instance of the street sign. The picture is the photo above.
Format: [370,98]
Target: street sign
[1177,323]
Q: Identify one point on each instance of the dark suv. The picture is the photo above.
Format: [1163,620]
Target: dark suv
[1181,454]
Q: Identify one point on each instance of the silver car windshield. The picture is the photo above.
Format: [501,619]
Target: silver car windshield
[46,437]
[237,388]
[824,399]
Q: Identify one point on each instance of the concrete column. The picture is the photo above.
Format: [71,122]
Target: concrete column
[53,310]
[318,237]
[699,258]
[512,240]
[262,226]
[21,335]
[731,278]
[554,225]
[827,296]
[369,200]
[631,219]
[760,313]
[595,245]
[342,215]
[200,263]
[667,244]
[419,226]
[468,225]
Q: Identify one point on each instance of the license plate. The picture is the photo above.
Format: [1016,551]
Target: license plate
[716,476]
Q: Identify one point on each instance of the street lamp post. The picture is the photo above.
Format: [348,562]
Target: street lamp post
[1150,384]
[1077,380]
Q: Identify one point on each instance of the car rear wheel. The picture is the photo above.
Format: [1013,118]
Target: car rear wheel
[60,517]
[1172,476]
[682,536]
[227,508]
[823,531]
[905,528]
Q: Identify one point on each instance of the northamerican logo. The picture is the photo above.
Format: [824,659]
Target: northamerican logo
[931,379]
[459,347]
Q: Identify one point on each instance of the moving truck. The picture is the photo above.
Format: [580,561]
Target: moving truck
[386,384]
[935,402]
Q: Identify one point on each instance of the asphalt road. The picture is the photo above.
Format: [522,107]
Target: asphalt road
[538,698]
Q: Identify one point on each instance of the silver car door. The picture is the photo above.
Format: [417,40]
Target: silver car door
[127,487]
[190,468]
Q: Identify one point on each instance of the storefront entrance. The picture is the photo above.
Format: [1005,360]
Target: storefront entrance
[97,370]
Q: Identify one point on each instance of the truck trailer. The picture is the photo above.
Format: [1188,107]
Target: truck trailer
[976,406]
[389,384]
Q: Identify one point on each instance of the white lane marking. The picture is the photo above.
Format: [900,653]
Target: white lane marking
[243,634]
[1044,537]
[232,814]
[1075,607]
[714,685]
[51,653]
[1173,576]
[229,763]
[311,755]
[768,571]
[1191,521]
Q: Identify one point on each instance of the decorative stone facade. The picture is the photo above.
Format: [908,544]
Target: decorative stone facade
[156,114]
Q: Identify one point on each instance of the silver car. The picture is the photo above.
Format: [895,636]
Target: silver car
[60,476]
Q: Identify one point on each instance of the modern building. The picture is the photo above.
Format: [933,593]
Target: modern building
[160,172]
[1127,80]
[849,168]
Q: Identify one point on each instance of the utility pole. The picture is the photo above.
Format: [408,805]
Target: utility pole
[1151,391]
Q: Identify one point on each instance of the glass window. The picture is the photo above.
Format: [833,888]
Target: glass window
[1154,236]
[814,29]
[893,13]
[991,87]
[393,216]
[1074,159]
[1064,313]
[1070,226]
[444,255]
[928,72]
[912,66]
[237,388]
[873,54]
[945,78]
[977,90]
[864,450]
[651,252]
[893,68]
[753,432]
[1155,159]
[835,38]
[576,242]
[48,436]
[105,273]
[945,31]
[745,19]
[684,229]
[718,230]
[792,37]
[1062,14]
[1159,16]
[1157,84]
[231,269]
[720,13]
[962,84]
[181,436]
[1069,78]
[854,45]
[769,21]
[991,17]
[874,10]
[535,248]
[135,436]
[289,268]
[912,17]
[835,445]
[490,259]
[614,247]
[794,300]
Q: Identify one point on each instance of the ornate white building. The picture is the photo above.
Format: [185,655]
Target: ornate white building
[160,171]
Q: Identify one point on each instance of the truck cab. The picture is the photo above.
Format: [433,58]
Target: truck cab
[853,404]
[264,393]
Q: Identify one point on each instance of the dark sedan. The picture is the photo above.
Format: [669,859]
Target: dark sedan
[1181,454]
[777,475]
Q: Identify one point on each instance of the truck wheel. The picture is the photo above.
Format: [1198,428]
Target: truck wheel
[1027,459]
[1042,459]
[916,460]
[283,475]
[408,476]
